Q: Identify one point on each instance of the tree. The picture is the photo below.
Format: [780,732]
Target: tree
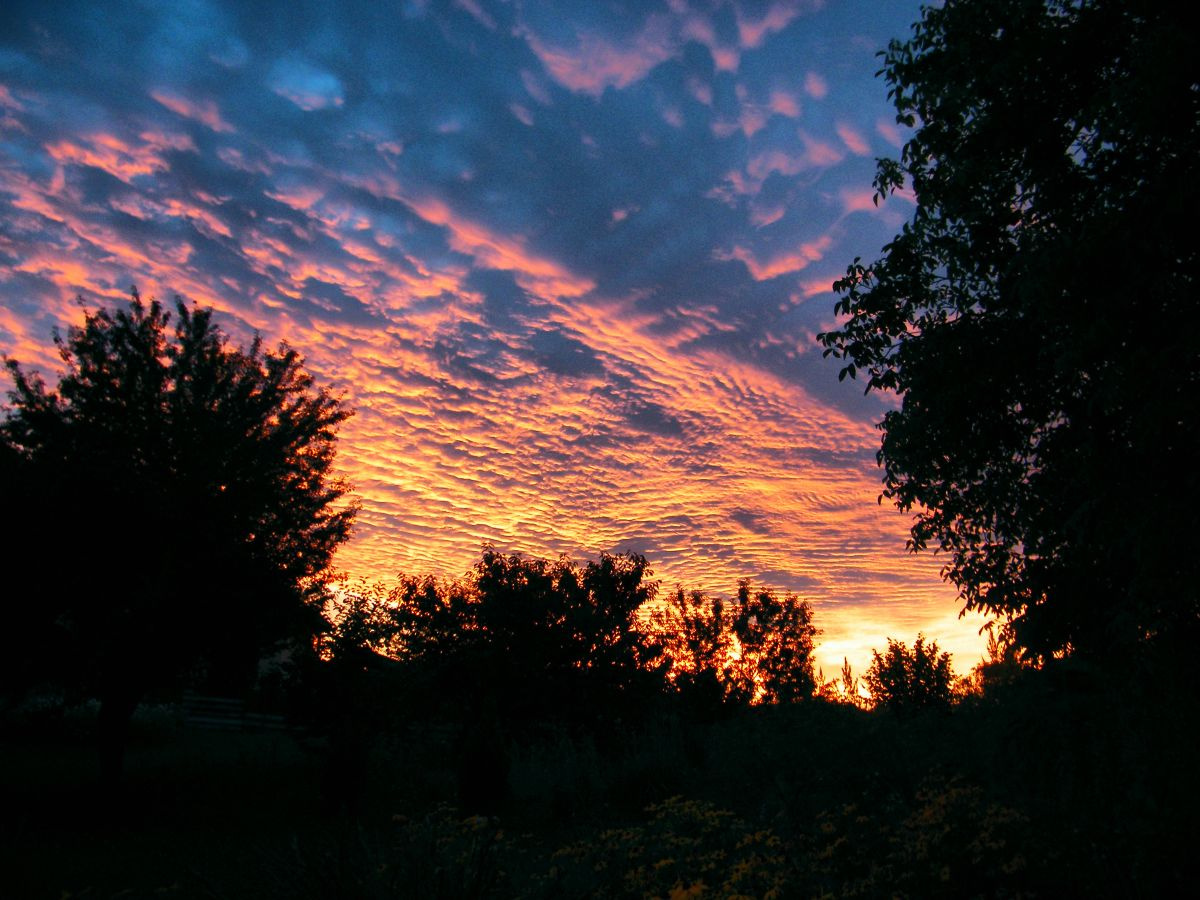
[756,648]
[775,637]
[906,680]
[698,641]
[531,640]
[182,492]
[1037,317]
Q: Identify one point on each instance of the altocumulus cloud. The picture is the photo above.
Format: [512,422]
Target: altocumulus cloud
[567,260]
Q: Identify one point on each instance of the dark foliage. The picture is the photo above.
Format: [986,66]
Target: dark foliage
[170,506]
[756,648]
[524,641]
[907,681]
[1038,316]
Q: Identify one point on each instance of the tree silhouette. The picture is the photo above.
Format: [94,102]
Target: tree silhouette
[698,639]
[534,640]
[906,680]
[756,648]
[1037,317]
[181,490]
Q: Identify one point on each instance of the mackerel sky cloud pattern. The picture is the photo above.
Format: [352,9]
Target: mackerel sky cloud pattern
[567,261]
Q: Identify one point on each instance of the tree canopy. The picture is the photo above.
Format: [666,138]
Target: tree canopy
[906,681]
[171,502]
[1038,317]
[755,648]
[533,640]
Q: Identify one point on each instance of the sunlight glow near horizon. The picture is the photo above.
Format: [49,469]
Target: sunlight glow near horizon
[567,265]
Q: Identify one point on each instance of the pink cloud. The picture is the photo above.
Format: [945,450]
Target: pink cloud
[763,165]
[815,86]
[784,104]
[763,216]
[305,85]
[502,251]
[890,133]
[726,59]
[751,33]
[203,111]
[299,197]
[696,27]
[723,128]
[853,140]
[751,120]
[8,101]
[813,287]
[819,154]
[595,64]
[699,28]
[858,200]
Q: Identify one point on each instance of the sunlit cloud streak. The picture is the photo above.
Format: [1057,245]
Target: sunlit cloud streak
[567,264]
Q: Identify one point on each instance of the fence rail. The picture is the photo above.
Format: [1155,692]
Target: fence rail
[226,714]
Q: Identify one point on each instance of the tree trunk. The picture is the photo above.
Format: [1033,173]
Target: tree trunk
[112,732]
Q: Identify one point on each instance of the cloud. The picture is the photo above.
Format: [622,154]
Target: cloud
[500,243]
[890,133]
[124,158]
[784,263]
[564,355]
[591,62]
[753,31]
[784,103]
[305,85]
[815,86]
[853,139]
[203,111]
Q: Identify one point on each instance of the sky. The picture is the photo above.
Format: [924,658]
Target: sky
[567,262]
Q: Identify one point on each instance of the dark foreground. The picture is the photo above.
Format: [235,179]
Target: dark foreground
[1063,784]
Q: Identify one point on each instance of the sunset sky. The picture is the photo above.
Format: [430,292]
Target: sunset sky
[566,260]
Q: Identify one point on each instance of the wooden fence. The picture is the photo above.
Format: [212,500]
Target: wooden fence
[226,714]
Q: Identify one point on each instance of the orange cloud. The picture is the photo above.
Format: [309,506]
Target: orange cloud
[783,264]
[120,158]
[500,251]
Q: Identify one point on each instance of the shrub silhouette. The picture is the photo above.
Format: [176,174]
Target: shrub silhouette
[906,680]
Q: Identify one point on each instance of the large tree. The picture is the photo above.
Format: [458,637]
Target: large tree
[170,504]
[1038,316]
